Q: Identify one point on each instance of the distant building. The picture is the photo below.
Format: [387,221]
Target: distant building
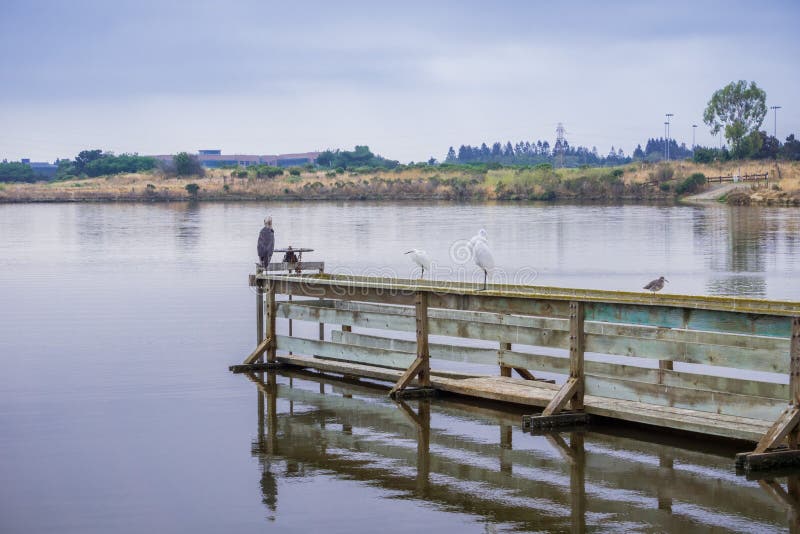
[41,168]
[214,158]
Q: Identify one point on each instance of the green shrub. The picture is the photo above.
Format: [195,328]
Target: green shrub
[294,171]
[664,187]
[192,189]
[691,184]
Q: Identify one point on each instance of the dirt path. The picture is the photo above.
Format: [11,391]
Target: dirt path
[715,193]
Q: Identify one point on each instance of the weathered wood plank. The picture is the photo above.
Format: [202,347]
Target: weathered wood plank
[738,305]
[688,318]
[693,399]
[762,359]
[739,386]
[309,288]
[437,326]
[721,356]
[349,353]
[453,353]
[303,266]
[677,335]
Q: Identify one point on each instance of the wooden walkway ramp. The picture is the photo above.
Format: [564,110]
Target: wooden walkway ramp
[738,372]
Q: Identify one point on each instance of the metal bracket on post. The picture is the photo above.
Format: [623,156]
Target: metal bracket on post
[572,390]
[420,368]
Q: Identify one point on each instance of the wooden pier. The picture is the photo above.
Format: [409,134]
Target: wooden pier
[632,340]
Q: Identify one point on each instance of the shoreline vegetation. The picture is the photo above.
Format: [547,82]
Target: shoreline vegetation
[631,182]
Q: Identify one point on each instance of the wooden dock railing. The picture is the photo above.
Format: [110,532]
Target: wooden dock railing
[618,351]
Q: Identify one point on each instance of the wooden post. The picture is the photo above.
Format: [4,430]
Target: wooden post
[272,412]
[572,390]
[577,482]
[424,447]
[576,350]
[259,317]
[321,325]
[794,377]
[271,331]
[794,363]
[421,305]
[421,366]
[506,444]
[505,371]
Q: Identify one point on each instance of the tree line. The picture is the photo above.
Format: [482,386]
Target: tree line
[534,153]
[361,156]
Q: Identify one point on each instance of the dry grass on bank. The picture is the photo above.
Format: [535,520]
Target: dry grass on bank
[413,183]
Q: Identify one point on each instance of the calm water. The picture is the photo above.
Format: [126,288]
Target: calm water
[117,413]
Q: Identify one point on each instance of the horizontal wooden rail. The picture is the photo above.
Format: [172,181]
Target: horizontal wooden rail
[619,341]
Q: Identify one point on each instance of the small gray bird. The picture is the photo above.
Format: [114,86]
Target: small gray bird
[656,285]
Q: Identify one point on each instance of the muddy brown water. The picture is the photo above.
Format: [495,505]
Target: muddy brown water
[117,413]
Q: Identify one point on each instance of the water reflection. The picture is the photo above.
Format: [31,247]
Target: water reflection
[187,226]
[475,460]
[740,243]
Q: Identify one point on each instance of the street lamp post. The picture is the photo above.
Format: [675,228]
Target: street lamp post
[694,130]
[666,134]
[667,123]
[775,123]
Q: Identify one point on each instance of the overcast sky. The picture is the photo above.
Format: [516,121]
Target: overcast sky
[408,78]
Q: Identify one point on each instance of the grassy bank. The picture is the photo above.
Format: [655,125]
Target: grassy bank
[631,182]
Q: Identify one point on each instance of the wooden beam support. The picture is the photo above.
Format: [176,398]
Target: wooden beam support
[785,424]
[255,356]
[573,388]
[794,363]
[421,305]
[564,395]
[409,375]
[505,370]
[259,319]
[271,330]
[421,366]
[577,344]
[524,373]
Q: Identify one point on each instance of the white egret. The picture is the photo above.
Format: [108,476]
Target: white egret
[483,258]
[420,257]
[480,236]
[656,285]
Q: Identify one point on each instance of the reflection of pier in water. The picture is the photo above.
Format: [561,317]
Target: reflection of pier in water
[475,460]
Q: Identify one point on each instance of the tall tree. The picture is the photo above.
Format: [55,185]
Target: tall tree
[740,109]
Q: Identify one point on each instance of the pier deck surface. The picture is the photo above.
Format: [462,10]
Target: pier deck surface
[539,394]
